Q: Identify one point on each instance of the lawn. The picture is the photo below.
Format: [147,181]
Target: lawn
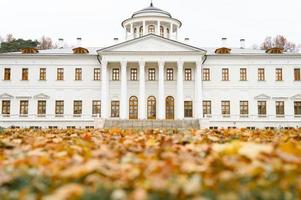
[151,164]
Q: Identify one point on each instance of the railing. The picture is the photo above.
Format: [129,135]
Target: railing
[246,118]
[45,117]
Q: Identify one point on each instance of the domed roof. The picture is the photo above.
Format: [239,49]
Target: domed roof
[152,9]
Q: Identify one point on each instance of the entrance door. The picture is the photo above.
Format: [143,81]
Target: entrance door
[151,107]
[133,107]
[170,108]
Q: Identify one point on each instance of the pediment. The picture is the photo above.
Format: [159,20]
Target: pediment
[296,97]
[6,96]
[41,96]
[262,97]
[151,43]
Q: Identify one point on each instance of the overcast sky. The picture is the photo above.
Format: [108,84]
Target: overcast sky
[204,21]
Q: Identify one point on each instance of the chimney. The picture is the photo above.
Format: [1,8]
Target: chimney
[79,42]
[242,43]
[61,43]
[224,42]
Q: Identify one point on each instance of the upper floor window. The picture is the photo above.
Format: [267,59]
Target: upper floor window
[297,74]
[226,108]
[279,108]
[5,107]
[225,74]
[25,74]
[42,107]
[169,74]
[134,74]
[151,74]
[24,107]
[243,74]
[77,108]
[206,108]
[78,74]
[42,74]
[244,108]
[188,109]
[59,107]
[262,108]
[151,29]
[60,74]
[96,74]
[161,31]
[261,74]
[141,31]
[188,76]
[297,108]
[6,74]
[115,74]
[206,74]
[279,74]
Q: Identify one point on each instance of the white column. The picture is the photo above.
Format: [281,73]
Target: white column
[144,28]
[132,31]
[170,31]
[104,90]
[180,88]
[141,102]
[158,28]
[123,91]
[161,93]
[176,37]
[198,102]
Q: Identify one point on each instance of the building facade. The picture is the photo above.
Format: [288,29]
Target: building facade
[150,77]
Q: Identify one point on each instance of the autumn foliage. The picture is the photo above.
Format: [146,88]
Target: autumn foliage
[151,164]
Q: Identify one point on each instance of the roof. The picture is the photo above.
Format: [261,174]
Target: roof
[151,9]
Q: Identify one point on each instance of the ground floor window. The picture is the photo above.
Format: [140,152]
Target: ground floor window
[188,109]
[151,107]
[115,108]
[244,108]
[280,108]
[170,110]
[42,107]
[133,107]
[6,107]
[262,108]
[226,108]
[24,107]
[297,108]
[59,107]
[96,107]
[77,108]
[206,108]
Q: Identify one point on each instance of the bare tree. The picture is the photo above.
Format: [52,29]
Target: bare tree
[9,38]
[280,42]
[46,43]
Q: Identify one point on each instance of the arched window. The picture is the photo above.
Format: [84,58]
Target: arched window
[135,32]
[167,33]
[161,31]
[170,107]
[151,29]
[133,107]
[141,31]
[151,107]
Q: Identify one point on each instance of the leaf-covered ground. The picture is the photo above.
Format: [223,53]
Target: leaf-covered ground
[151,164]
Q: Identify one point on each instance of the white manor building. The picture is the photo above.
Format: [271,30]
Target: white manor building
[150,79]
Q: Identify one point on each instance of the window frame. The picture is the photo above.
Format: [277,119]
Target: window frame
[207,108]
[24,104]
[188,109]
[97,74]
[278,74]
[188,74]
[206,74]
[78,74]
[151,74]
[225,74]
[41,108]
[7,74]
[25,74]
[43,74]
[59,108]
[96,108]
[243,74]
[133,74]
[133,107]
[244,108]
[169,74]
[280,108]
[262,108]
[297,108]
[115,74]
[261,74]
[77,108]
[226,108]
[115,109]
[6,107]
[297,74]
[60,74]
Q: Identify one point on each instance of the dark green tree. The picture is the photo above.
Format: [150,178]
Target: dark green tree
[15,45]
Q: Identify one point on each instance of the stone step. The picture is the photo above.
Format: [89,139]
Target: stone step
[152,124]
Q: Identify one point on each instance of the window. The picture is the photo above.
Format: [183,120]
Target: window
[226,108]
[135,32]
[244,108]
[7,74]
[206,108]
[77,108]
[78,74]
[297,108]
[134,74]
[151,107]
[188,75]
[24,108]
[169,74]
[279,74]
[133,107]
[297,74]
[42,74]
[161,31]
[262,108]
[170,107]
[59,108]
[42,107]
[243,74]
[60,74]
[206,74]
[261,74]
[167,33]
[115,74]
[225,74]
[151,29]
[25,74]
[151,74]
[141,31]
[115,109]
[6,107]
[280,108]
[96,74]
[96,107]
[188,109]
